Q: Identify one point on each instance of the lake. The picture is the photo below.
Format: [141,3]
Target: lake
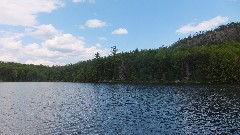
[85,108]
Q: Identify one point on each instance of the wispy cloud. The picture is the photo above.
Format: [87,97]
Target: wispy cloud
[82,27]
[202,26]
[84,1]
[95,23]
[102,38]
[120,31]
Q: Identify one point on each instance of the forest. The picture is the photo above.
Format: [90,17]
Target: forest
[205,57]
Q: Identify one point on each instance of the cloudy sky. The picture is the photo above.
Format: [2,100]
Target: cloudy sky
[58,32]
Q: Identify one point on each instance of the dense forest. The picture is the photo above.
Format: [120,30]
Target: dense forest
[205,57]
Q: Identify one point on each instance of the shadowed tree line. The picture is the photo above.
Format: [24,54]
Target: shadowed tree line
[212,56]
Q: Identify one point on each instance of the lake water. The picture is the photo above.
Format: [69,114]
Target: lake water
[82,108]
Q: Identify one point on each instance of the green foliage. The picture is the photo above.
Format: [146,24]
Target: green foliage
[212,56]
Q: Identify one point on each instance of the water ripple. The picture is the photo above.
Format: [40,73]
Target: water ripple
[75,108]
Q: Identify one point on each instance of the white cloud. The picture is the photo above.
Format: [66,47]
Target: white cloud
[98,45]
[43,62]
[64,43]
[54,48]
[120,31]
[8,58]
[44,31]
[23,12]
[37,51]
[11,41]
[202,26]
[84,1]
[95,23]
[64,48]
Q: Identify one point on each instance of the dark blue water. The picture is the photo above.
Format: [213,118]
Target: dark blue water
[76,108]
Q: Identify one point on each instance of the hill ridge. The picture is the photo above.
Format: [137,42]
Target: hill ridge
[228,32]
[209,57]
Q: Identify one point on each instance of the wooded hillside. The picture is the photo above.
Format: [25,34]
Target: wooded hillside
[212,56]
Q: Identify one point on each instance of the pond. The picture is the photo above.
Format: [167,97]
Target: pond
[88,108]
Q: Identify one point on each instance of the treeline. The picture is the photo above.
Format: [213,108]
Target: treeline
[215,63]
[15,72]
[200,58]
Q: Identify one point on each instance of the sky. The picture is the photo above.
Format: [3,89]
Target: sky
[59,32]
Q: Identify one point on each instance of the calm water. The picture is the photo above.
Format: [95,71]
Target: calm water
[76,108]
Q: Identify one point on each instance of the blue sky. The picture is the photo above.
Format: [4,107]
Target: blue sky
[58,32]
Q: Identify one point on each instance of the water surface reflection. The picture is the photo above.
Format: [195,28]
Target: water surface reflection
[75,108]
